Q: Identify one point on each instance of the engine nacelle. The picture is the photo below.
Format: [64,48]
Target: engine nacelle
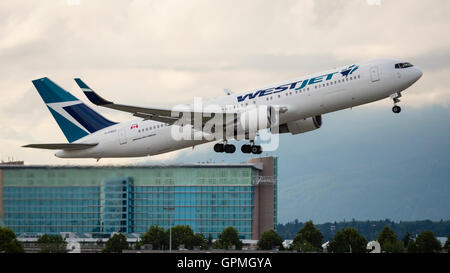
[301,125]
[257,118]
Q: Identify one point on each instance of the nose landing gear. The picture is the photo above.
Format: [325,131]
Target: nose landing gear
[396,98]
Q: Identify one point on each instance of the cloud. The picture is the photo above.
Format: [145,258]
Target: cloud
[163,53]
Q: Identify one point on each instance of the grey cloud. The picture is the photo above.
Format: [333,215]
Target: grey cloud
[434,60]
[196,48]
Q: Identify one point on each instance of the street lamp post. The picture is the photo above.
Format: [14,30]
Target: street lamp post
[170,228]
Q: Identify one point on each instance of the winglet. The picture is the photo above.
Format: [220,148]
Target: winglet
[91,95]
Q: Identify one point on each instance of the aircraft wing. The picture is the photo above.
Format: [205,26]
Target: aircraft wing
[165,115]
[62,146]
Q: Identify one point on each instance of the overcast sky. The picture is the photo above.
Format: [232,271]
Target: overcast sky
[160,53]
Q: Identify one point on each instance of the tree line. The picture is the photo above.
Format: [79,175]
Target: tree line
[369,229]
[308,238]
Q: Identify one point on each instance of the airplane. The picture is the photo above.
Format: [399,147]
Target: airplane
[294,107]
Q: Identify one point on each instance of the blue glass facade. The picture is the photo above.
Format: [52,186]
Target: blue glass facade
[52,209]
[102,200]
[206,209]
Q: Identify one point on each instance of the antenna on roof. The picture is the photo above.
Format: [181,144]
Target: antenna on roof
[227,91]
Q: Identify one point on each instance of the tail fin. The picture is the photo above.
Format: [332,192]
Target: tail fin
[75,119]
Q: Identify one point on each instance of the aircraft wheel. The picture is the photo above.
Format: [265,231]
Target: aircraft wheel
[230,148]
[256,149]
[246,149]
[219,148]
[396,109]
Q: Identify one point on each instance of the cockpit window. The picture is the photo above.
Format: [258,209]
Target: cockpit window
[403,65]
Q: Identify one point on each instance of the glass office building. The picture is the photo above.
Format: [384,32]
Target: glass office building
[129,199]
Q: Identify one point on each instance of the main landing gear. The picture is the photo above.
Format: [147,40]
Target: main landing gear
[224,147]
[230,148]
[396,98]
[251,148]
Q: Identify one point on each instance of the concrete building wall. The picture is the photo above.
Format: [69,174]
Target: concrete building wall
[263,211]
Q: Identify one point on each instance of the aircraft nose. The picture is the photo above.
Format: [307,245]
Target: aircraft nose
[418,73]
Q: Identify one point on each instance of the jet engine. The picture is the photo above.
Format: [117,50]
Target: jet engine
[257,118]
[301,126]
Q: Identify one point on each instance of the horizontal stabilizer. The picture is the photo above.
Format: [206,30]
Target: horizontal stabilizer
[62,146]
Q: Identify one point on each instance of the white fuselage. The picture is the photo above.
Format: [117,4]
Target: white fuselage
[312,95]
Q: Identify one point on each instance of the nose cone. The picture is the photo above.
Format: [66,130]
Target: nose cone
[412,76]
[418,73]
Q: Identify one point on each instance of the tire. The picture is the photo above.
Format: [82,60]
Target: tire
[230,148]
[256,149]
[246,149]
[219,148]
[396,109]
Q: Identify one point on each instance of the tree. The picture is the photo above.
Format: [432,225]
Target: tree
[386,235]
[308,238]
[116,244]
[393,247]
[406,240]
[184,235]
[228,237]
[412,247]
[388,241]
[155,236]
[427,243]
[348,240]
[209,241]
[9,242]
[269,239]
[200,241]
[447,244]
[52,244]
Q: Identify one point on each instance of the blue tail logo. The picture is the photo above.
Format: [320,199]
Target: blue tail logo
[75,119]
